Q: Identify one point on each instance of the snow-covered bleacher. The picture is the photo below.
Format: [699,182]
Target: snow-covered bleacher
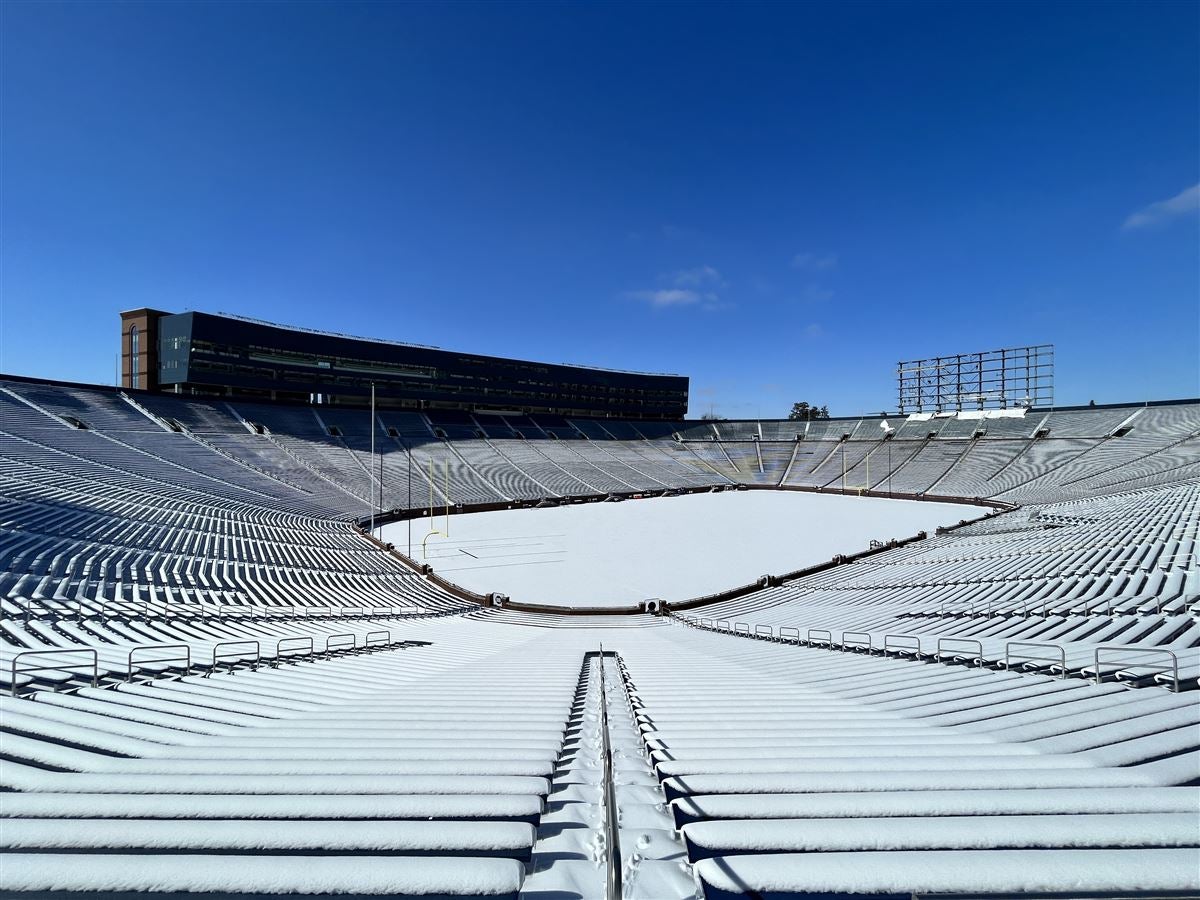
[90,522]
[1041,589]
[214,683]
[357,774]
[796,772]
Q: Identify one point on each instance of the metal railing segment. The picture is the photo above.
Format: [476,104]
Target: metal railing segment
[293,646]
[341,641]
[857,640]
[902,643]
[818,637]
[955,648]
[185,657]
[1029,654]
[16,669]
[1120,659]
[234,652]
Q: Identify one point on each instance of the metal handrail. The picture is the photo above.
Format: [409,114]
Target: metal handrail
[945,642]
[1126,664]
[341,643]
[968,650]
[187,657]
[15,670]
[1054,652]
[298,646]
[898,643]
[854,639]
[373,637]
[612,831]
[217,655]
[810,639]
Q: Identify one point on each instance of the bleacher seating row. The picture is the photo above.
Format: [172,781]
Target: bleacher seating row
[322,457]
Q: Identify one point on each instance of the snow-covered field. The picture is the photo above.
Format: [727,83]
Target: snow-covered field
[674,548]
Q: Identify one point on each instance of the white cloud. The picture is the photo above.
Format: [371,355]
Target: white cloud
[1184,203]
[814,262]
[663,298]
[687,287]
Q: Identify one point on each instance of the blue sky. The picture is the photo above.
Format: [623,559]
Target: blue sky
[779,200]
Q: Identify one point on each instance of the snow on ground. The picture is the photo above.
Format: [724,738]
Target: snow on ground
[673,548]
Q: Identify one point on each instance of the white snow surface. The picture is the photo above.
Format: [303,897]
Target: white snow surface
[27,778]
[259,806]
[672,548]
[944,871]
[133,834]
[117,872]
[977,832]
[943,803]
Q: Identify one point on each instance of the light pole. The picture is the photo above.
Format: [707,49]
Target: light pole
[382,451]
[370,474]
[408,452]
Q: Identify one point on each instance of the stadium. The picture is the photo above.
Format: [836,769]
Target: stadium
[507,450]
[372,637]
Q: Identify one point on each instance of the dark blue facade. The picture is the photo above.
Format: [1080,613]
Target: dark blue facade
[201,353]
